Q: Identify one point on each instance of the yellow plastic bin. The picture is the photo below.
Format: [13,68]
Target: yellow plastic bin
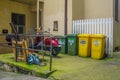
[97,46]
[84,45]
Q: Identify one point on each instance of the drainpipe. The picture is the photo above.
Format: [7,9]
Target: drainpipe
[65,24]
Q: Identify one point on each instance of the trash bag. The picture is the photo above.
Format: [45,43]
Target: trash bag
[33,59]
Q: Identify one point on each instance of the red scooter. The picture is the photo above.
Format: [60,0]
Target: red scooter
[39,43]
[47,43]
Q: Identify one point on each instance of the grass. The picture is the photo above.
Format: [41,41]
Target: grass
[42,71]
[78,68]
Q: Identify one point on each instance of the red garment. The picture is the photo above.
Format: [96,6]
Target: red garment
[37,40]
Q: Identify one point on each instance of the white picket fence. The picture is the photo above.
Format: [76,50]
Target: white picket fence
[96,26]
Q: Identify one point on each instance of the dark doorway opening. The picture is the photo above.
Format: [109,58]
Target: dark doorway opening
[19,21]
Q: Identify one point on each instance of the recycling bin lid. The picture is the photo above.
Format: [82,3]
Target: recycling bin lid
[61,36]
[83,35]
[98,36]
[72,35]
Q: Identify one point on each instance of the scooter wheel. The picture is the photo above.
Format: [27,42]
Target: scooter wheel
[54,52]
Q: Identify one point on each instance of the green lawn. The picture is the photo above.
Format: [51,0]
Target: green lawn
[42,71]
[78,68]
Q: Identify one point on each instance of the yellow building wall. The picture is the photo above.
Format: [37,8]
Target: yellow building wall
[78,9]
[89,9]
[34,7]
[98,8]
[54,11]
[33,22]
[6,8]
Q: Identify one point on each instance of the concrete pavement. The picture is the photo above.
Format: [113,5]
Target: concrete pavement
[16,76]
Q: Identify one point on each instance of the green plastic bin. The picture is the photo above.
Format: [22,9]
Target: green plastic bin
[63,42]
[72,43]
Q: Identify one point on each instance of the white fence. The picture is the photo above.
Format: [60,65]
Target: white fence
[96,26]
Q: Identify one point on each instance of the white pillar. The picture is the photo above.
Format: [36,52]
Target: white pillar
[38,22]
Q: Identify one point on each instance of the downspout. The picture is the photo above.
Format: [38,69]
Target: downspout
[65,24]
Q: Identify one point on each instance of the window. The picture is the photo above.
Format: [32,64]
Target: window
[116,10]
[55,28]
[19,21]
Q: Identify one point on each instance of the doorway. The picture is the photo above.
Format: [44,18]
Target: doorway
[19,21]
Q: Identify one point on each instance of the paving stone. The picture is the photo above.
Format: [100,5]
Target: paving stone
[16,76]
